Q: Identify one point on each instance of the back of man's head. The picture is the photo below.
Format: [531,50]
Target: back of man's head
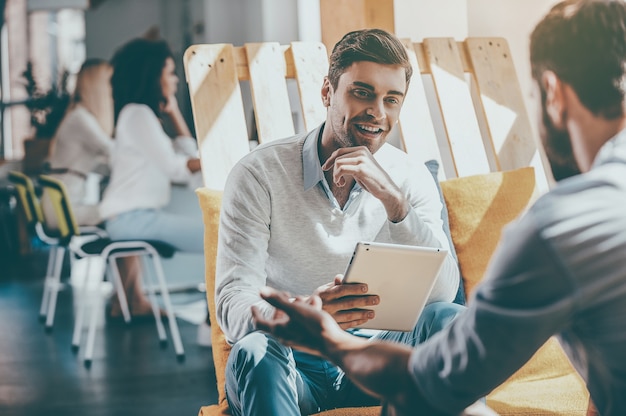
[584,43]
[373,45]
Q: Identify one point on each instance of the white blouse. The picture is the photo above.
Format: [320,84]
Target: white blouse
[80,147]
[143,164]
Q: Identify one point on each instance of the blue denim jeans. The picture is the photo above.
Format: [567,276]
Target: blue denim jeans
[264,377]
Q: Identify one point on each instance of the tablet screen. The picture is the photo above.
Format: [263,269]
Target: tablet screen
[401,275]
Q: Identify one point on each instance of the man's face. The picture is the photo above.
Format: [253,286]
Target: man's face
[365,105]
[557,144]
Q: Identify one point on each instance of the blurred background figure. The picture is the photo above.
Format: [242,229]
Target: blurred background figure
[81,150]
[82,144]
[145,160]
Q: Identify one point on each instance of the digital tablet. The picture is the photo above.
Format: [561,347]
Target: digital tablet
[401,275]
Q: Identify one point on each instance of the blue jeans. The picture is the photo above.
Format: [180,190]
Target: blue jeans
[264,377]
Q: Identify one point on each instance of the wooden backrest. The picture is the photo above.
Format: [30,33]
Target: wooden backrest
[214,73]
[466,110]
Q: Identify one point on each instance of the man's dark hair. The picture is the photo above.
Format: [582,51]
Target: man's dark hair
[373,45]
[88,63]
[584,43]
[137,69]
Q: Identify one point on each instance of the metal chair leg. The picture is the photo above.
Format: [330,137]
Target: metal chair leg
[93,322]
[55,287]
[81,306]
[46,286]
[178,344]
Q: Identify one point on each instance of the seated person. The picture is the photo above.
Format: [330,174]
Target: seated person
[82,145]
[144,162]
[292,212]
[559,270]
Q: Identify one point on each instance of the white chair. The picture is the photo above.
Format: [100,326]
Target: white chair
[108,251]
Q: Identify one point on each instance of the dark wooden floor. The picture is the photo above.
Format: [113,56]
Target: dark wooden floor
[130,374]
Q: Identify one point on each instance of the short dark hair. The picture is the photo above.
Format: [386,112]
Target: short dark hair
[373,45]
[137,69]
[584,43]
[88,63]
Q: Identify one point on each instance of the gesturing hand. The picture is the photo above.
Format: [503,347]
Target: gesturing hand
[299,322]
[347,303]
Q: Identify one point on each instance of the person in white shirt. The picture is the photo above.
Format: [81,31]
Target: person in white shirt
[144,162]
[82,146]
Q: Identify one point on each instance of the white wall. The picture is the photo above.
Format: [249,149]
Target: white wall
[280,21]
[114,22]
[232,21]
[242,21]
[417,19]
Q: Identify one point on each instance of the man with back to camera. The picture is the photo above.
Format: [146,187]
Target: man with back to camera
[559,270]
[292,212]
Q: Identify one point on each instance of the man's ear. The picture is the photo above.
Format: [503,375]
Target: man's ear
[326,92]
[555,104]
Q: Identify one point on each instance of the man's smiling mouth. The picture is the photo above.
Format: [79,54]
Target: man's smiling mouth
[369,129]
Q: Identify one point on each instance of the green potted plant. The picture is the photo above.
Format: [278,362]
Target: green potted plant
[47,109]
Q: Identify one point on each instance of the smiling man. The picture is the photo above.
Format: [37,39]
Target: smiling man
[294,209]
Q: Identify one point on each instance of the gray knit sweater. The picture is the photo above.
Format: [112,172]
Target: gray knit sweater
[278,227]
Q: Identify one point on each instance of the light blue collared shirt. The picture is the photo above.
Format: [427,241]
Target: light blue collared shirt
[313,173]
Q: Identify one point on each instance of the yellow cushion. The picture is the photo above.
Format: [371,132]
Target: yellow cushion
[210,202]
[478,208]
[546,385]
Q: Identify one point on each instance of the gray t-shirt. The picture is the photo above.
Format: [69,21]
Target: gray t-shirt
[560,269]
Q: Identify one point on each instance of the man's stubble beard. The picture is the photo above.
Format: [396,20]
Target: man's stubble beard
[558,147]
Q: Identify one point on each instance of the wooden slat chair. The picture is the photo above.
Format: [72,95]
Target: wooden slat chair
[465,110]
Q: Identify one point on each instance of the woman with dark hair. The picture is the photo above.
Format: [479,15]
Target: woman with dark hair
[82,147]
[145,160]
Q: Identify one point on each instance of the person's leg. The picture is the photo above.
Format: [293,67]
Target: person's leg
[130,273]
[433,318]
[262,378]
